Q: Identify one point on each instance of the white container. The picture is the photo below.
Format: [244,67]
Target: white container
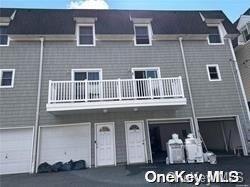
[193,149]
[210,157]
[175,149]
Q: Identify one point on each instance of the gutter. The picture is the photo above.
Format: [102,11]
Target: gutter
[36,128]
[196,126]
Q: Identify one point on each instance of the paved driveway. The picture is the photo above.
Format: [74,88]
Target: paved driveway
[120,175]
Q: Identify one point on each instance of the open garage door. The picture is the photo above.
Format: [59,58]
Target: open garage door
[161,131]
[221,136]
[65,143]
[15,150]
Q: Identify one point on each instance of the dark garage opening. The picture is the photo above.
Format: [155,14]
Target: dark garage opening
[161,132]
[221,136]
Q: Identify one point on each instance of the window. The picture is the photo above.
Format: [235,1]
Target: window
[93,87]
[145,73]
[4,39]
[213,72]
[134,127]
[7,78]
[142,35]
[86,74]
[104,129]
[86,35]
[214,36]
[246,35]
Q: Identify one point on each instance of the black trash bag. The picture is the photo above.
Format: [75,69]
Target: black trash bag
[67,166]
[57,166]
[80,164]
[44,168]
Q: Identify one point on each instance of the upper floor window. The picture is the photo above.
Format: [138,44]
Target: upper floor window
[86,74]
[146,73]
[213,72]
[4,39]
[246,34]
[86,35]
[7,78]
[214,36]
[143,34]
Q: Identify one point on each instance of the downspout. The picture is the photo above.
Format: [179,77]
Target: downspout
[196,127]
[36,128]
[240,79]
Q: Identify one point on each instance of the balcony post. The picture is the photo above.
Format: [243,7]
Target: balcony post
[119,94]
[86,90]
[72,90]
[150,88]
[50,89]
[182,90]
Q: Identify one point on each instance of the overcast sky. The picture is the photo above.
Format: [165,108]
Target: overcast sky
[232,8]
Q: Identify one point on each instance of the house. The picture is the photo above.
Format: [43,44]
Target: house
[111,86]
[242,50]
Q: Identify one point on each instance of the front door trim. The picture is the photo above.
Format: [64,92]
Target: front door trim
[144,139]
[114,145]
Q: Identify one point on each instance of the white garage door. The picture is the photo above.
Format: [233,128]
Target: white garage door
[15,150]
[65,143]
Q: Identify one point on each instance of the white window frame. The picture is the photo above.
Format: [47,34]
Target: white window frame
[220,29]
[243,29]
[146,69]
[8,39]
[150,34]
[73,71]
[218,72]
[12,79]
[78,32]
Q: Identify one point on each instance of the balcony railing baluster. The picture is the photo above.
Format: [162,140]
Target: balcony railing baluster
[114,90]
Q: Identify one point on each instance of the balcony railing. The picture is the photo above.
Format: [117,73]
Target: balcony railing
[114,90]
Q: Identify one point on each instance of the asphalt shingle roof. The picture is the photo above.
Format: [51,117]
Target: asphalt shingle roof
[61,21]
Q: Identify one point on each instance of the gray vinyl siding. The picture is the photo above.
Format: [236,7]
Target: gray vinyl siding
[211,98]
[18,104]
[116,60]
[243,58]
[219,98]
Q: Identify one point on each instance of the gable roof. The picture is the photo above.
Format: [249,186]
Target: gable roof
[247,13]
[61,21]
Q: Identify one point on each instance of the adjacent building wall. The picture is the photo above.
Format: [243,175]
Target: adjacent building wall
[243,59]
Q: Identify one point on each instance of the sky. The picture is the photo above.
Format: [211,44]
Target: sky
[232,8]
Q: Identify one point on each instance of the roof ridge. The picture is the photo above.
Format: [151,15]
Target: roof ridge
[154,10]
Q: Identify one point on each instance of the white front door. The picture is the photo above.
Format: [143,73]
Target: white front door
[105,144]
[135,142]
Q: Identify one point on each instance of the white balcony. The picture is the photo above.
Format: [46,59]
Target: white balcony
[118,93]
